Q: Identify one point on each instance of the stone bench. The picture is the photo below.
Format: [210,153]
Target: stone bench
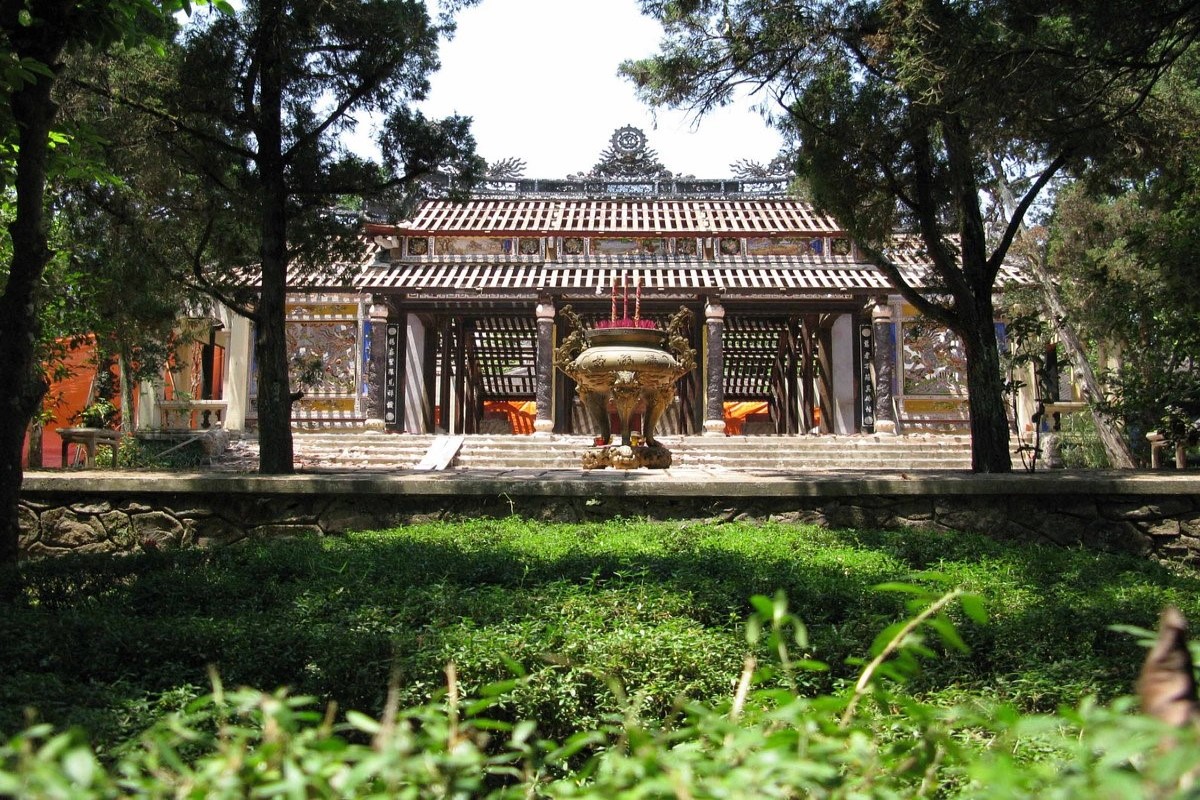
[1157,443]
[91,439]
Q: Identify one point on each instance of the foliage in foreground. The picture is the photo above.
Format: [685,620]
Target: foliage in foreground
[111,644]
[868,740]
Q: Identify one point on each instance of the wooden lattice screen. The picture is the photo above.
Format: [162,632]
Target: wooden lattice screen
[503,355]
[754,350]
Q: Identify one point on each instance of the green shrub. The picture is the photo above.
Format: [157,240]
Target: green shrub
[1079,443]
[135,453]
[867,739]
[587,613]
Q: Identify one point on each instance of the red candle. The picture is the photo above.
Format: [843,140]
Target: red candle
[624,298]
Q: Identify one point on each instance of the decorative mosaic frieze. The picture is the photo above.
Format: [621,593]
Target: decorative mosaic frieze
[791,246]
[472,246]
[628,246]
[335,344]
[934,360]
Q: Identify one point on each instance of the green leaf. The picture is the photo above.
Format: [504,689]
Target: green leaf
[80,765]
[513,666]
[801,632]
[754,629]
[902,588]
[973,607]
[497,688]
[885,636]
[763,605]
[945,629]
[362,722]
[574,744]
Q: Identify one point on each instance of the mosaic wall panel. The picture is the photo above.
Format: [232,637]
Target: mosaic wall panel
[628,246]
[321,309]
[933,360]
[472,246]
[686,247]
[335,343]
[793,246]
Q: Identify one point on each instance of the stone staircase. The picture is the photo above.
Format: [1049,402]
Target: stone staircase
[350,450]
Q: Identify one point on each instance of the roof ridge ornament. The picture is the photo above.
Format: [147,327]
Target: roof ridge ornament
[628,157]
[629,169]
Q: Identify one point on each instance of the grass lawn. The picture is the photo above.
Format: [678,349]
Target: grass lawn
[589,613]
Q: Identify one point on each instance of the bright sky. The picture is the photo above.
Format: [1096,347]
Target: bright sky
[539,78]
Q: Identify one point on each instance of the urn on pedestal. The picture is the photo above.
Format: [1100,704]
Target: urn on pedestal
[630,363]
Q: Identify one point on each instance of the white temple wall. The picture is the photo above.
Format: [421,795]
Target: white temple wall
[845,394]
[415,401]
[236,391]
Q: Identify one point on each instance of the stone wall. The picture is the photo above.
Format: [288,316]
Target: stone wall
[1149,517]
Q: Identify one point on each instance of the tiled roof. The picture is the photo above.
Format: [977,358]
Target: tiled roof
[617,217]
[770,275]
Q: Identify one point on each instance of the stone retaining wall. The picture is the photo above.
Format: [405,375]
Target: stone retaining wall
[1157,518]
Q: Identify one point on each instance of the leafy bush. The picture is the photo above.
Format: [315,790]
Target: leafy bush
[1079,443]
[588,614]
[135,453]
[868,739]
[100,413]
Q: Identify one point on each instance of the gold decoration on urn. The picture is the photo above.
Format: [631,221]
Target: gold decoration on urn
[630,363]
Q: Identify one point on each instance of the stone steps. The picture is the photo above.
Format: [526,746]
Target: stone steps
[379,451]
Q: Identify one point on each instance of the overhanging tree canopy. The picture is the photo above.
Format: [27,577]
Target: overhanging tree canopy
[902,111]
[34,35]
[279,82]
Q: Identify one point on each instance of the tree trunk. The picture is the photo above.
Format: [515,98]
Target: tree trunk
[23,386]
[270,343]
[128,423]
[37,438]
[1115,445]
[990,437]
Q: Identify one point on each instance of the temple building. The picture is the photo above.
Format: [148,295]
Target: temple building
[450,321]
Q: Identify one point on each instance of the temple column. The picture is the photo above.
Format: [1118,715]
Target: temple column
[236,391]
[382,382]
[714,369]
[885,367]
[445,389]
[417,378]
[842,361]
[543,424]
